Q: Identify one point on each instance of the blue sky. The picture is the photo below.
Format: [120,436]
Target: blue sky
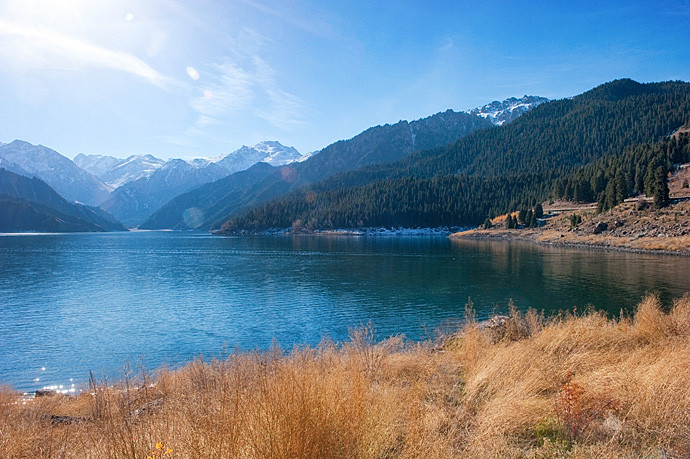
[203,77]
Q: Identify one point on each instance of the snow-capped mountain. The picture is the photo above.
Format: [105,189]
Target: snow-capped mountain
[117,171]
[97,165]
[134,201]
[277,154]
[58,171]
[500,113]
[271,152]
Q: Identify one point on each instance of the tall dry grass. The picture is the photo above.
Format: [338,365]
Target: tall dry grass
[570,386]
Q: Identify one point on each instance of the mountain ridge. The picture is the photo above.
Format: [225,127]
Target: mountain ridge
[489,171]
[58,171]
[134,201]
[378,144]
[30,204]
[500,113]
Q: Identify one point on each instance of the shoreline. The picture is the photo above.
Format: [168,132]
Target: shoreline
[477,234]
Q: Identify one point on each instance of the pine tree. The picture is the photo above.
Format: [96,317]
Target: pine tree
[538,210]
[661,195]
[522,216]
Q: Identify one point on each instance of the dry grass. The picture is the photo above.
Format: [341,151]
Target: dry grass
[571,386]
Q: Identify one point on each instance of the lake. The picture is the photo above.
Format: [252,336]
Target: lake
[74,303]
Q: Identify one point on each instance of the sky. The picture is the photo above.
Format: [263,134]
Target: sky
[200,78]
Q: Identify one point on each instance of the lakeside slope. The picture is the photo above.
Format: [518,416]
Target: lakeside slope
[625,227]
[574,386]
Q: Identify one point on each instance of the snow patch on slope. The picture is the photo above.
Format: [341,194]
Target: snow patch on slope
[500,113]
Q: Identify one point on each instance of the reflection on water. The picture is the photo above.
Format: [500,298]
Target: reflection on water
[80,302]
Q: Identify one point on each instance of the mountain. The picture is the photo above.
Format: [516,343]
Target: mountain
[13,167]
[115,172]
[134,201]
[192,209]
[29,204]
[269,152]
[97,165]
[58,171]
[379,144]
[144,182]
[500,113]
[488,172]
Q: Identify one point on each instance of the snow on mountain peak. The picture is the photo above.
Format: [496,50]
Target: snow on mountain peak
[268,151]
[500,113]
[118,171]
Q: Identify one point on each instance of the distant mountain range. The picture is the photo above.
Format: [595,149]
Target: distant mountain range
[136,200]
[132,188]
[214,202]
[154,193]
[116,172]
[68,179]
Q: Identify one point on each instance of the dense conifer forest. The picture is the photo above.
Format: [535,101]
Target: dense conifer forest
[605,145]
[641,169]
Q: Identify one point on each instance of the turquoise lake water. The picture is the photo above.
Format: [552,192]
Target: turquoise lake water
[74,303]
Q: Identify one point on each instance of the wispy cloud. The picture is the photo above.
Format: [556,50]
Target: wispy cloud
[317,25]
[228,88]
[45,48]
[232,90]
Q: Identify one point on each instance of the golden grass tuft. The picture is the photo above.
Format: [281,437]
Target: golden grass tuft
[569,386]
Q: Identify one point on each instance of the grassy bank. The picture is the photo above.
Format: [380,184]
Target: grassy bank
[572,386]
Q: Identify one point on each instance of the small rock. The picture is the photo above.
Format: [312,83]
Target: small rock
[46,393]
[149,407]
[600,228]
[493,322]
[54,419]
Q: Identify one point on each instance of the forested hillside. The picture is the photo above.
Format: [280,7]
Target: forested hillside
[29,204]
[490,171]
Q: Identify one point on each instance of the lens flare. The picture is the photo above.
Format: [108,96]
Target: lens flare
[288,174]
[192,72]
[193,217]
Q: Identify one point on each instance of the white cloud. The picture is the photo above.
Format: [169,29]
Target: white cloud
[231,90]
[44,48]
[285,110]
